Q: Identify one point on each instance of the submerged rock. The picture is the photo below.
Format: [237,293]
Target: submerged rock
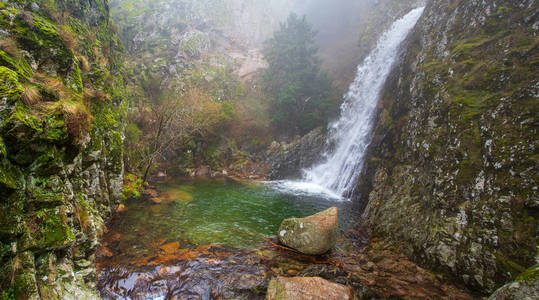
[156,200]
[315,234]
[307,288]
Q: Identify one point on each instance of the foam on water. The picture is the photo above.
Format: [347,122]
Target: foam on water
[303,188]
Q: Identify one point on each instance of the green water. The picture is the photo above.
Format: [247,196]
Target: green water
[221,211]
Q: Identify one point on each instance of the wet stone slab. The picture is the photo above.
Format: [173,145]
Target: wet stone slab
[209,272]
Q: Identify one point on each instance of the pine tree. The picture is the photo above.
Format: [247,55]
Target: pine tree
[301,96]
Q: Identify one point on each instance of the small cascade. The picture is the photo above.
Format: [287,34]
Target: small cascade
[338,172]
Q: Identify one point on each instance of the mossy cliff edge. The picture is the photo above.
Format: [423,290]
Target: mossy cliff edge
[451,175]
[61,93]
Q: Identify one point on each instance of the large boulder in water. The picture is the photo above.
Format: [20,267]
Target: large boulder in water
[315,234]
[312,288]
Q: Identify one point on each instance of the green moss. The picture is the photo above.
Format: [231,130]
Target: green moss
[82,201]
[22,114]
[467,172]
[5,250]
[532,273]
[503,9]
[49,93]
[11,210]
[3,151]
[43,25]
[10,88]
[8,180]
[48,163]
[115,150]
[506,265]
[20,272]
[464,49]
[24,284]
[55,129]
[20,65]
[47,229]
[432,64]
[106,116]
[132,133]
[470,104]
[96,140]
[387,121]
[132,186]
[74,80]
[41,37]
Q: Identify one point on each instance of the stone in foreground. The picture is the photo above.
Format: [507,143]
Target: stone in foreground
[307,288]
[313,235]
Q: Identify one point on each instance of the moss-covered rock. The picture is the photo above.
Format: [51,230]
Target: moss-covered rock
[47,229]
[452,179]
[283,288]
[10,88]
[524,287]
[41,37]
[56,185]
[287,160]
[10,178]
[312,235]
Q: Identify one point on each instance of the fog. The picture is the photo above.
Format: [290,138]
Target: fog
[329,17]
[239,27]
[338,23]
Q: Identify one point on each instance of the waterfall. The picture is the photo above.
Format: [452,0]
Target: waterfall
[351,134]
[338,172]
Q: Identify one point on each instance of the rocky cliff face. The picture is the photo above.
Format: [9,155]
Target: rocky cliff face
[286,160]
[170,37]
[60,145]
[452,172]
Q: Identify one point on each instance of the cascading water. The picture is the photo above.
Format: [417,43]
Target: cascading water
[337,174]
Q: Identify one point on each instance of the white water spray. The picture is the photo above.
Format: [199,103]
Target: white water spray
[338,172]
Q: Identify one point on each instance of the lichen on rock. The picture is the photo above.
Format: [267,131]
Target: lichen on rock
[56,186]
[10,88]
[451,175]
[313,235]
[314,288]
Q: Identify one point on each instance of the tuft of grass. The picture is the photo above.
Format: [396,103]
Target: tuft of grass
[54,85]
[92,95]
[102,96]
[77,118]
[68,37]
[10,46]
[89,94]
[83,64]
[30,95]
